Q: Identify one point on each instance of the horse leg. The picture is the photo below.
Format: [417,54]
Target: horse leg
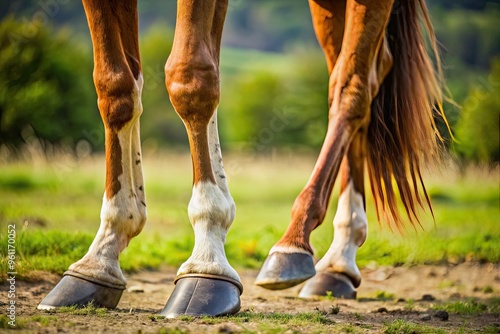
[206,284]
[355,76]
[97,277]
[337,272]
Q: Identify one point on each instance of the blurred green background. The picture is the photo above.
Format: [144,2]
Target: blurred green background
[51,135]
[271,65]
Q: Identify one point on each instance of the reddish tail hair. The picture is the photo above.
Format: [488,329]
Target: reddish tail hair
[403,133]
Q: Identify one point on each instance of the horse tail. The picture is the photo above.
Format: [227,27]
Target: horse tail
[402,133]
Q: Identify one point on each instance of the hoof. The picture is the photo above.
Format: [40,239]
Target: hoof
[202,295]
[325,284]
[284,270]
[77,290]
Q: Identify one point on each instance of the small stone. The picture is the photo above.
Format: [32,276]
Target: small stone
[401,300]
[425,317]
[428,298]
[382,310]
[135,289]
[442,315]
[225,330]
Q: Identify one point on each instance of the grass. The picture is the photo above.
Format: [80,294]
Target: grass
[273,322]
[400,326]
[90,309]
[471,307]
[56,207]
[383,295]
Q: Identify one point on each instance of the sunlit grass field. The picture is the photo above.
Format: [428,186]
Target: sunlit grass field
[56,208]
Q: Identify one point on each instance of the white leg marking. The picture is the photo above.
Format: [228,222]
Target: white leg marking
[350,231]
[216,160]
[211,216]
[211,212]
[123,216]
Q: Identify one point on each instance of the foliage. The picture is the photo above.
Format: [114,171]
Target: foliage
[269,99]
[468,37]
[45,85]
[477,130]
[159,122]
[263,107]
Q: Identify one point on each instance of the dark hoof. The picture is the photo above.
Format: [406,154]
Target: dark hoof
[78,291]
[284,270]
[329,284]
[201,295]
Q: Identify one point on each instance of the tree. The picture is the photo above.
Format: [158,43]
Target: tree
[45,85]
[477,130]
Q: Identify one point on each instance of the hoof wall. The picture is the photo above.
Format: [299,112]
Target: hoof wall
[325,284]
[76,291]
[203,295]
[284,270]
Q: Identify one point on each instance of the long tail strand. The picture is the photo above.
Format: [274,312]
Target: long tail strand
[403,133]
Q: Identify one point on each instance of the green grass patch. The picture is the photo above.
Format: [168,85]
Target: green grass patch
[383,295]
[471,307]
[301,318]
[90,309]
[20,323]
[492,329]
[56,211]
[273,322]
[43,320]
[400,326]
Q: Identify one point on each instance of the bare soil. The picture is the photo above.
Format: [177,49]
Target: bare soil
[148,291]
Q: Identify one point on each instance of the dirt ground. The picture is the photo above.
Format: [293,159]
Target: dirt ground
[148,291]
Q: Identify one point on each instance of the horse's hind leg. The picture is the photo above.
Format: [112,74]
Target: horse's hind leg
[355,75]
[337,272]
[97,277]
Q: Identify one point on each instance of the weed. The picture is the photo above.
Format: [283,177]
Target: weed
[410,304]
[488,289]
[329,295]
[334,309]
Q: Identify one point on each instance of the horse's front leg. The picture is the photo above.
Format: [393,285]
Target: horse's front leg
[206,284]
[97,277]
[352,48]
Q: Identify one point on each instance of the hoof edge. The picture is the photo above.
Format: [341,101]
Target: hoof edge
[203,295]
[78,290]
[324,284]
